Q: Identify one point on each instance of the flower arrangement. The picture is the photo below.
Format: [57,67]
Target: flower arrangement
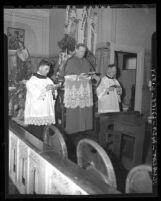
[17,101]
[67,44]
[17,88]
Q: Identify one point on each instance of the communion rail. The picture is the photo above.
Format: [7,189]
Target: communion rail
[34,168]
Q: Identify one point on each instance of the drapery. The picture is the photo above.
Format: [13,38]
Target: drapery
[102,60]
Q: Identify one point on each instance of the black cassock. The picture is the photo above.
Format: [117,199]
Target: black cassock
[78,119]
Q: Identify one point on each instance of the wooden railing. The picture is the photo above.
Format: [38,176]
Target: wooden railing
[34,169]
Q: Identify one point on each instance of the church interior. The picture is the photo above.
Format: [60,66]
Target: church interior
[118,156]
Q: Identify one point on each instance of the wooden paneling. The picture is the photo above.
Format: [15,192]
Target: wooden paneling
[123,133]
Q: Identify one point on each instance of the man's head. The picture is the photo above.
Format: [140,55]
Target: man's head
[80,50]
[112,70]
[44,67]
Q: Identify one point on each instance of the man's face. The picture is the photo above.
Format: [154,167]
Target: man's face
[44,70]
[112,71]
[80,52]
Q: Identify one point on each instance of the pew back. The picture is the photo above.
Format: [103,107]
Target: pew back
[92,157]
[139,179]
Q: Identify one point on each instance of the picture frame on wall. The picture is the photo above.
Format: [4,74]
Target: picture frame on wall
[14,36]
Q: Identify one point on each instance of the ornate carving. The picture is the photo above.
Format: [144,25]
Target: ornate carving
[14,140]
[23,149]
[34,160]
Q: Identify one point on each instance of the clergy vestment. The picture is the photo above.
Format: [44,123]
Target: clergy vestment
[39,105]
[108,101]
[78,97]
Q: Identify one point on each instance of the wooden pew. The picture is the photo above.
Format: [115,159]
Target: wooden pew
[92,157]
[122,133]
[139,179]
[34,169]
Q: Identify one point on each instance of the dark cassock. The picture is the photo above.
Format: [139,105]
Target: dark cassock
[78,96]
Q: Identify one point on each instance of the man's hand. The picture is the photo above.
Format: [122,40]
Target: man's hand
[49,87]
[23,82]
[82,76]
[111,88]
[119,90]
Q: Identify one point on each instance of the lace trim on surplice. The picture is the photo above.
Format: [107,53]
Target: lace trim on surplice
[77,92]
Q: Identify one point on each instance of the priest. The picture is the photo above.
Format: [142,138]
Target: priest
[78,96]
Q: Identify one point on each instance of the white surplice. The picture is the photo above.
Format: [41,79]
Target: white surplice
[108,101]
[39,105]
